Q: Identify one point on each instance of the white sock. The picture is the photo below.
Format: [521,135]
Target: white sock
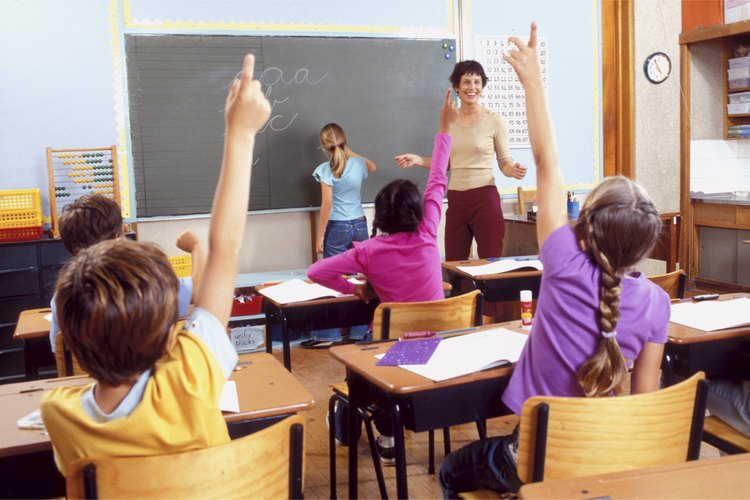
[386,441]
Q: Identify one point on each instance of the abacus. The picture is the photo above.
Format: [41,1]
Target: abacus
[77,172]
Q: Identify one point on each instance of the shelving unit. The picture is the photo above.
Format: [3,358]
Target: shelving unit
[703,217]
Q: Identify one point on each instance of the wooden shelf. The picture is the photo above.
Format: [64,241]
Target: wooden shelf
[715,32]
[738,90]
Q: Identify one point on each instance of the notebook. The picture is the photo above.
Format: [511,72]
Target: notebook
[297,290]
[502,266]
[712,315]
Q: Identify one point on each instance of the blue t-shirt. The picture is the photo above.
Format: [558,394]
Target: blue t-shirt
[347,199]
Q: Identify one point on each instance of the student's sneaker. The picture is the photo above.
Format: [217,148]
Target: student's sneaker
[316,344]
[386,450]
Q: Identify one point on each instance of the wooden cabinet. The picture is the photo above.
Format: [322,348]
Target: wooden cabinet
[28,270]
[707,215]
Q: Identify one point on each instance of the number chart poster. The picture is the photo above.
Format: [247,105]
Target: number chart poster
[504,92]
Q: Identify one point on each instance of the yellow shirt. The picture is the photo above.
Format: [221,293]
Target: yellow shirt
[473,149]
[179,411]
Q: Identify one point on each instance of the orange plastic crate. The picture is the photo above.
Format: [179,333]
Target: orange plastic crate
[20,214]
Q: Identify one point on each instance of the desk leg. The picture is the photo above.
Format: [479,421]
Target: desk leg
[270,315]
[667,367]
[285,341]
[402,489]
[353,441]
[29,362]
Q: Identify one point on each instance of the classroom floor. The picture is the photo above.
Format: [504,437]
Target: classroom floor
[316,369]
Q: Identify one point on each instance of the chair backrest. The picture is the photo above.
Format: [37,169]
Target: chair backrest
[392,319]
[524,196]
[562,438]
[266,464]
[673,283]
[67,365]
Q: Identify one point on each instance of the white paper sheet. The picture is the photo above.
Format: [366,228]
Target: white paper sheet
[711,315]
[501,266]
[229,400]
[473,352]
[297,290]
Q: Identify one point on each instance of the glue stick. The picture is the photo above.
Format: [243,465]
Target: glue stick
[526,314]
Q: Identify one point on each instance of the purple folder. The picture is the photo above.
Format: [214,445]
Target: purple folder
[410,352]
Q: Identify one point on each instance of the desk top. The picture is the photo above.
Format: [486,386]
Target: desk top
[264,388]
[31,324]
[452,266]
[722,477]
[680,334]
[360,358]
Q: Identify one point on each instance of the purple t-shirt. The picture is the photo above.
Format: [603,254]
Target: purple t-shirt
[401,267]
[566,332]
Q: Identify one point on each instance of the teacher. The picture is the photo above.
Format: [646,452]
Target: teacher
[474,210]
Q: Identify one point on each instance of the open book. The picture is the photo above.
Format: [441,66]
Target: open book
[297,290]
[502,266]
[473,352]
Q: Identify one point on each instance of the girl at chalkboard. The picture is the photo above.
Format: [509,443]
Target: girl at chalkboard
[342,220]
[403,263]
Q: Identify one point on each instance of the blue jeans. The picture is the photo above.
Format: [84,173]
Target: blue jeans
[338,239]
[488,464]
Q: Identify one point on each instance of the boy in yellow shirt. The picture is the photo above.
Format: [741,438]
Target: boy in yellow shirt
[157,386]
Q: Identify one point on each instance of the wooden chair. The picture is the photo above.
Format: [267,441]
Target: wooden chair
[673,283]
[561,438]
[524,196]
[65,362]
[266,464]
[723,436]
[391,320]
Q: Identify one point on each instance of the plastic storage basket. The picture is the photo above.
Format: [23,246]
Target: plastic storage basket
[182,265]
[20,215]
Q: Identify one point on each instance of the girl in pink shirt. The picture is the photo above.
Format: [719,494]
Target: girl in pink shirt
[403,264]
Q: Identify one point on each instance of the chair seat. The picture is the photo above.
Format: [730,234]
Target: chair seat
[724,432]
[480,495]
[341,388]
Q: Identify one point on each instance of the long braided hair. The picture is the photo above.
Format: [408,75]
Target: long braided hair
[333,140]
[620,226]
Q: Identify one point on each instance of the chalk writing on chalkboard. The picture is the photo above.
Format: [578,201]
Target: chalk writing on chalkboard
[385,93]
[504,93]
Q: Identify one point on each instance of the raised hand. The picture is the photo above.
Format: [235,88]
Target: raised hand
[247,109]
[448,114]
[524,59]
[187,241]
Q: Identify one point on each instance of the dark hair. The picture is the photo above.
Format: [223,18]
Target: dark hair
[89,220]
[467,68]
[398,208]
[333,140]
[117,304]
[620,226]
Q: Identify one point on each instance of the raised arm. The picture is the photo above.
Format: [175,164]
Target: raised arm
[246,111]
[371,167]
[438,180]
[189,242]
[552,212]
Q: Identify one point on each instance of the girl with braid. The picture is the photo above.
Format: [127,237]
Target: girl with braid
[595,317]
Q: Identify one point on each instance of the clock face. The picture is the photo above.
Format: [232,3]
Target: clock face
[657,67]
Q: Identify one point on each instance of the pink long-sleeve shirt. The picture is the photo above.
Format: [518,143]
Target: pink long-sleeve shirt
[401,267]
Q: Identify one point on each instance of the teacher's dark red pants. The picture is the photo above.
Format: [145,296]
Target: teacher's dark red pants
[474,214]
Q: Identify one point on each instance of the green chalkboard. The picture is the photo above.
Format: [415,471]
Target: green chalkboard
[384,92]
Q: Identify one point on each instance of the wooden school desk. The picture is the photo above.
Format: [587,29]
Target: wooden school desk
[33,329]
[415,402]
[316,314]
[500,287]
[686,350]
[267,393]
[722,477]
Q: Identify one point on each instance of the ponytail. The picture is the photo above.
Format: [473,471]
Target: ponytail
[333,140]
[606,370]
